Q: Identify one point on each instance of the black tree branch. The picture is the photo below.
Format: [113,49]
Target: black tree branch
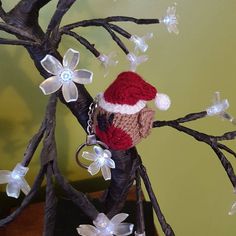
[62,7]
[17,42]
[116,39]
[84,42]
[104,21]
[212,141]
[164,225]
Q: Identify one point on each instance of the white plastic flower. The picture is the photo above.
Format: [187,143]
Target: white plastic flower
[106,227]
[233,209]
[219,108]
[101,161]
[170,20]
[108,61]
[15,181]
[65,75]
[140,42]
[135,60]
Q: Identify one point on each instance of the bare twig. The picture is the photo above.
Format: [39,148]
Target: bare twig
[225,148]
[120,30]
[168,231]
[17,32]
[118,201]
[212,141]
[116,39]
[3,14]
[79,199]
[17,42]
[33,145]
[140,226]
[84,42]
[62,7]
[50,204]
[103,21]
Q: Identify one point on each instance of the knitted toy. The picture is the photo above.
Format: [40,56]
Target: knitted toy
[122,117]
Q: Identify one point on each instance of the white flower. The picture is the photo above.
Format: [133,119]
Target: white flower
[170,20]
[15,181]
[140,42]
[106,227]
[64,75]
[135,60]
[101,160]
[108,61]
[233,209]
[219,107]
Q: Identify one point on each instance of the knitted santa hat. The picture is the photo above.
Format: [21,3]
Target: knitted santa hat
[129,93]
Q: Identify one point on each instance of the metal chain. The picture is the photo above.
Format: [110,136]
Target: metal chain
[92,107]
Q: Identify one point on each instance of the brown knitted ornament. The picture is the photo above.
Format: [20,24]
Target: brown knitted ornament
[122,118]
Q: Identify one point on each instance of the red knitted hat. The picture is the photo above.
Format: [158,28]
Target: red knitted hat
[129,93]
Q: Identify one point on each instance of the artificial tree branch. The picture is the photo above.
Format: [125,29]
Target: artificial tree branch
[33,144]
[168,231]
[84,42]
[62,7]
[225,148]
[123,177]
[78,198]
[18,42]
[50,203]
[3,14]
[140,226]
[212,141]
[116,39]
[17,32]
[120,30]
[104,21]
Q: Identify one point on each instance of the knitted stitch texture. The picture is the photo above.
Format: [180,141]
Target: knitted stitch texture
[122,131]
[129,88]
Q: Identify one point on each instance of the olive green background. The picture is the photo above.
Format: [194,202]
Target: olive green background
[189,182]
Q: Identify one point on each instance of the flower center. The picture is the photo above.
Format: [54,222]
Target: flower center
[66,75]
[15,176]
[101,160]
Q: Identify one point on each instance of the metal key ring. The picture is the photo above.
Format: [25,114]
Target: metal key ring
[91,141]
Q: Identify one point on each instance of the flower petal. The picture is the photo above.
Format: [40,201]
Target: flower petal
[25,188]
[107,153]
[71,59]
[83,76]
[94,168]
[50,85]
[233,209]
[98,150]
[5,176]
[106,173]
[117,219]
[123,229]
[20,170]
[13,190]
[51,65]
[101,221]
[70,91]
[87,230]
[89,156]
[110,163]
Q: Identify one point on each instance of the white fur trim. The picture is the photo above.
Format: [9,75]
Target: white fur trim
[123,109]
[162,101]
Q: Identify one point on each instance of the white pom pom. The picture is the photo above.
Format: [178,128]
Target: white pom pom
[162,101]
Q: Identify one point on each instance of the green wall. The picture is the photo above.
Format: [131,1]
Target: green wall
[190,184]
